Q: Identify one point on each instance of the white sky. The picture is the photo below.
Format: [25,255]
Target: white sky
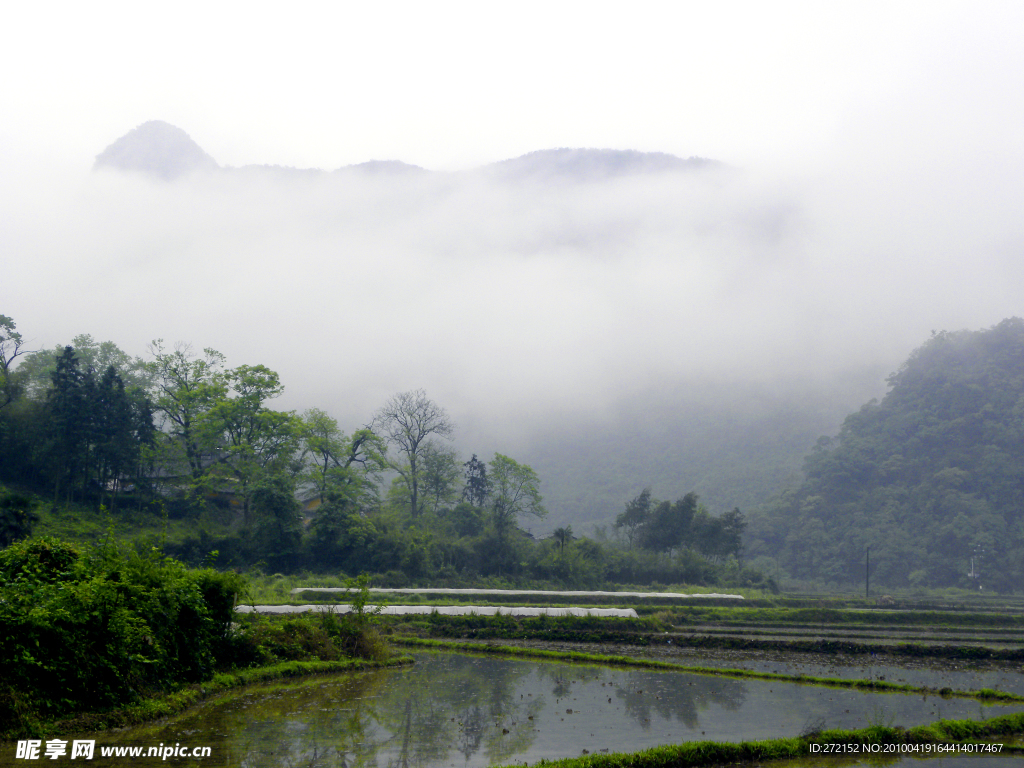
[449,85]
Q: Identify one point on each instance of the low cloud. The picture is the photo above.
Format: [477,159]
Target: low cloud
[515,302]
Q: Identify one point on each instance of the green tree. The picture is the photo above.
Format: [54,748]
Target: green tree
[406,421]
[68,424]
[669,524]
[91,430]
[476,485]
[277,521]
[256,440]
[636,515]
[338,465]
[719,536]
[122,427]
[563,536]
[440,484]
[515,492]
[466,519]
[36,368]
[188,387]
[11,344]
[341,537]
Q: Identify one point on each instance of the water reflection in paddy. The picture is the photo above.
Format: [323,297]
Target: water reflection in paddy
[460,710]
[960,675]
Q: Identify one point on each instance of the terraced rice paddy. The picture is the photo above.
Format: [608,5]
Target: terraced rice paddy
[550,710]
[471,710]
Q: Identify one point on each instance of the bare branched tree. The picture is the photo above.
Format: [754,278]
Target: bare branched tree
[406,421]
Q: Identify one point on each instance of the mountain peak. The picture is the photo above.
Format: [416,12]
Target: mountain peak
[158,149]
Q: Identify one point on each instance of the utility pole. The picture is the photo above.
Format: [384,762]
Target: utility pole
[867,576]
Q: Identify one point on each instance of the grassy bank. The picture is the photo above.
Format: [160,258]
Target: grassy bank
[581,629]
[819,616]
[875,742]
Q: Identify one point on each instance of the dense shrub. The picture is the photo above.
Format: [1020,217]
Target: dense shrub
[97,627]
[319,636]
[16,517]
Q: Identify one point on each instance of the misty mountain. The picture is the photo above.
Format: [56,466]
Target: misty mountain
[167,152]
[930,477]
[593,164]
[158,149]
[384,168]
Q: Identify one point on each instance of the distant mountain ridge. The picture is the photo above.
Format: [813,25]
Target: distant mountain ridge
[159,149]
[588,164]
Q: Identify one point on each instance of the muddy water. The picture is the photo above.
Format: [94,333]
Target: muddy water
[461,710]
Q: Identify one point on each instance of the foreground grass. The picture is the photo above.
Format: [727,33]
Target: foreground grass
[878,686]
[875,742]
[164,705]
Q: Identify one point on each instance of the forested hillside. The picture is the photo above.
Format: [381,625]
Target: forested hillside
[92,439]
[931,478]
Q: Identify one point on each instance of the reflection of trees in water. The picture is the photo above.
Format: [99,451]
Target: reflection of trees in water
[334,726]
[678,697]
[564,677]
[443,708]
[317,724]
[643,694]
[455,705]
[483,707]
[471,731]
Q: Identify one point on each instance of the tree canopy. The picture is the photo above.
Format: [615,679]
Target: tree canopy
[182,436]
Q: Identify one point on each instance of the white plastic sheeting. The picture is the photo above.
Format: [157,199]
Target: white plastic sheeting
[451,610]
[524,593]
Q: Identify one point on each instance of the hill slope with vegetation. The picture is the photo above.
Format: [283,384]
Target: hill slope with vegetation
[931,478]
[190,454]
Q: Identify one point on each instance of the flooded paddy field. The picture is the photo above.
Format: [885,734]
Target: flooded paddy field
[458,709]
[455,709]
[931,673]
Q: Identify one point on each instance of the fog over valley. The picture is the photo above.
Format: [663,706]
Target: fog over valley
[669,248]
[599,314]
